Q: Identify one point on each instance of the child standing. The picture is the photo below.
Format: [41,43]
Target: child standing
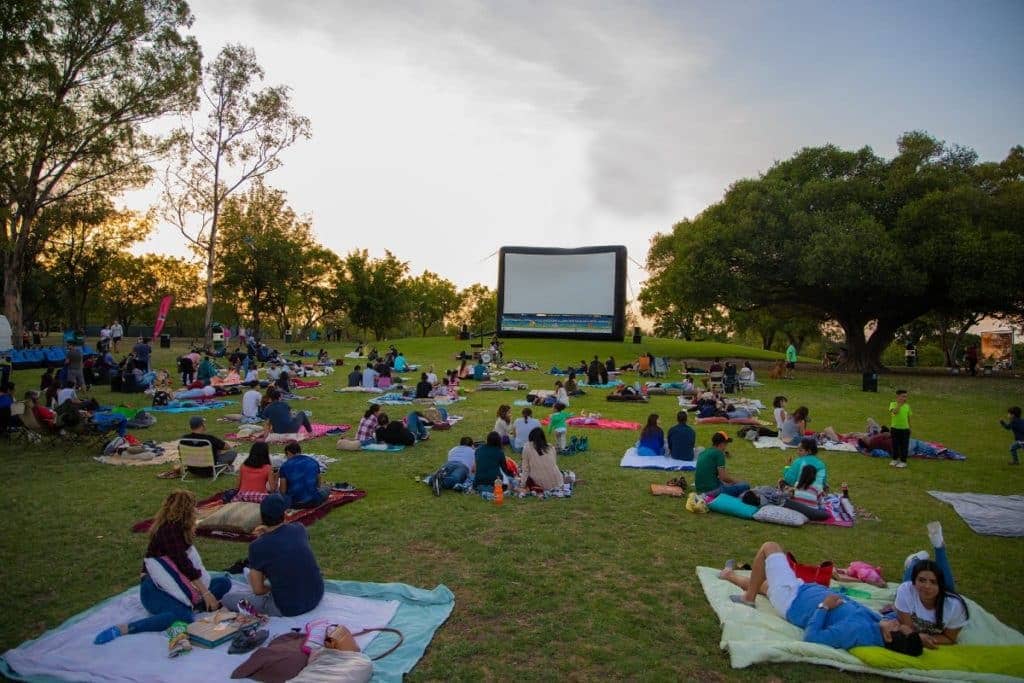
[899,427]
[557,425]
[1016,425]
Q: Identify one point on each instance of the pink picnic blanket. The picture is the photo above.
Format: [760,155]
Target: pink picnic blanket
[318,431]
[305,384]
[598,423]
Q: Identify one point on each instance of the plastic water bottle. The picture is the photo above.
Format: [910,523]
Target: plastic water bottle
[499,492]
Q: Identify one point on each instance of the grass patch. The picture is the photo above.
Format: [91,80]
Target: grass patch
[599,586]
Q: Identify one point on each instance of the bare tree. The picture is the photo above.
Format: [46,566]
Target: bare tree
[241,139]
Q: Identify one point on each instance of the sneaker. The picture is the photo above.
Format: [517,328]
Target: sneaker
[914,557]
[435,483]
[901,465]
[892,463]
[935,534]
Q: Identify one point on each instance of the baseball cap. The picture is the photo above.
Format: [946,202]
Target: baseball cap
[272,509]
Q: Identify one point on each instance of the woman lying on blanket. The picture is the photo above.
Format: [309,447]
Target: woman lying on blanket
[926,600]
[174,583]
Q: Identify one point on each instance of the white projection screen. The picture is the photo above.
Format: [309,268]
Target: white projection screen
[570,293]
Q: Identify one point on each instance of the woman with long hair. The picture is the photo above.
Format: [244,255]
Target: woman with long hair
[540,468]
[175,585]
[926,600]
[794,426]
[652,438]
[503,423]
[256,478]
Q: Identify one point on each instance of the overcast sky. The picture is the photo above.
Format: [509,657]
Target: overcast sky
[443,130]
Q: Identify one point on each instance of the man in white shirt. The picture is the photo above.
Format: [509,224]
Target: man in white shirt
[251,403]
[522,428]
[369,377]
[432,376]
[116,333]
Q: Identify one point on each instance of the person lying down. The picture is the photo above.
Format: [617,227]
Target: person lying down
[826,617]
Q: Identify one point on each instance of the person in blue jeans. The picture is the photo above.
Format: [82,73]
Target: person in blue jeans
[174,584]
[461,463]
[710,477]
[926,600]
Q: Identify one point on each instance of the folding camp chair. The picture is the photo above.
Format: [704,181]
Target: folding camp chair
[716,382]
[197,453]
[660,368]
[35,431]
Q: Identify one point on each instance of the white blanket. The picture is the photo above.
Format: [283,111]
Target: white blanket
[776,442]
[142,658]
[654,462]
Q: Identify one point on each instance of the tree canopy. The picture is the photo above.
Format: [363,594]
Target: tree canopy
[850,237]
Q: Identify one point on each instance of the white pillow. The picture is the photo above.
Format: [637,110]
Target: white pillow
[776,514]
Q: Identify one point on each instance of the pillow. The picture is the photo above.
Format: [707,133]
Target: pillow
[776,514]
[237,517]
[1007,660]
[712,420]
[731,505]
[349,444]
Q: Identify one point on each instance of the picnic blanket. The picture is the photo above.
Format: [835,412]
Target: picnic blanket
[730,420]
[754,636]
[654,462]
[776,442]
[503,385]
[169,455]
[67,653]
[368,390]
[305,384]
[597,423]
[179,406]
[382,447]
[318,431]
[607,385]
[306,516]
[987,514]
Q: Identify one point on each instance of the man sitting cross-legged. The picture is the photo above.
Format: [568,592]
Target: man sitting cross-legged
[826,617]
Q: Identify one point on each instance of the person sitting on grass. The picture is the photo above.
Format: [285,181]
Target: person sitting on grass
[521,429]
[558,424]
[300,478]
[489,460]
[222,454]
[423,387]
[480,372]
[710,476]
[503,423]
[540,467]
[794,426]
[416,422]
[279,417]
[256,477]
[652,438]
[207,371]
[926,600]
[355,378]
[681,439]
[457,470]
[174,583]
[827,618]
[284,577]
[367,431]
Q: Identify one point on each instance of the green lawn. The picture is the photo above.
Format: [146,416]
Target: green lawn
[599,586]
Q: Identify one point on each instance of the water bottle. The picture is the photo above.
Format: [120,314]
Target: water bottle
[499,492]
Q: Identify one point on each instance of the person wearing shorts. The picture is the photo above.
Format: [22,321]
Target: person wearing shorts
[826,617]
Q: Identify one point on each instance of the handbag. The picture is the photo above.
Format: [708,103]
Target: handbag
[338,637]
[809,573]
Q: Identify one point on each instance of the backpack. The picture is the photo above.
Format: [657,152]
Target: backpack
[161,398]
[67,415]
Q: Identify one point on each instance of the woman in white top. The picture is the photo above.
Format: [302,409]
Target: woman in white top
[926,600]
[540,467]
[561,395]
[522,428]
[503,424]
[780,411]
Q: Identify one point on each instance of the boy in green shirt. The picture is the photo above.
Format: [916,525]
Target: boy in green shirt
[899,427]
[558,424]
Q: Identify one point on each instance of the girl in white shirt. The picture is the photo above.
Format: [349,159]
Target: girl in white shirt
[503,423]
[780,411]
[926,600]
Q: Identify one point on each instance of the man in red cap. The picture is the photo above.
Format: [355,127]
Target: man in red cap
[711,477]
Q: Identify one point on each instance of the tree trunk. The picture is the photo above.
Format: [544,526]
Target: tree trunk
[767,339]
[862,355]
[12,294]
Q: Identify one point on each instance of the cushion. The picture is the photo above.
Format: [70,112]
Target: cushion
[776,514]
[731,505]
[349,444]
[1007,660]
[239,517]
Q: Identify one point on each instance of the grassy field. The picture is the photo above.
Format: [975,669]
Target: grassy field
[598,586]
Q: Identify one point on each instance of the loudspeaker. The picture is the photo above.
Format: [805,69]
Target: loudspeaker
[869,382]
[464,332]
[636,335]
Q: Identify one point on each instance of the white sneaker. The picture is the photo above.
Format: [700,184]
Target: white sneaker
[935,534]
[914,557]
[892,463]
[901,465]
